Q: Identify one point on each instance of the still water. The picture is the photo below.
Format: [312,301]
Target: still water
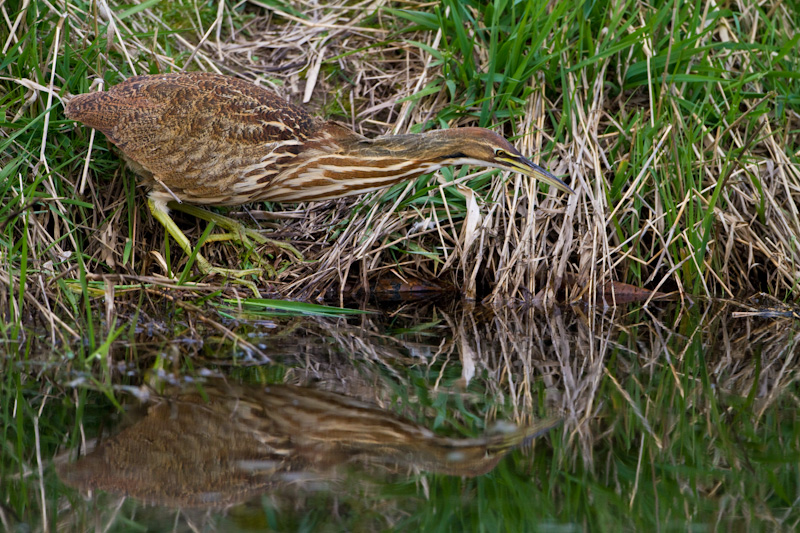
[421,417]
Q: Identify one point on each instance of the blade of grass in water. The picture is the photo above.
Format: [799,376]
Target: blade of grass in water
[267,307]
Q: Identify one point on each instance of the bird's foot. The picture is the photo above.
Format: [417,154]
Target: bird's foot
[264,266]
[162,215]
[236,276]
[238,232]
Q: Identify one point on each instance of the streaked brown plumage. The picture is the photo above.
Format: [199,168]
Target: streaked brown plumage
[216,140]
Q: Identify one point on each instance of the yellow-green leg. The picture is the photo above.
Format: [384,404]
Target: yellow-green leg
[236,230]
[161,214]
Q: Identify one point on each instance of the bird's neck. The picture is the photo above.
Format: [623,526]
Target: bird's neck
[435,147]
[358,165]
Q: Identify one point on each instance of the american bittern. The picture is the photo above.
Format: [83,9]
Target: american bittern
[216,140]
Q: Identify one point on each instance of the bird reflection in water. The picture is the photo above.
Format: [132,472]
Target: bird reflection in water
[225,443]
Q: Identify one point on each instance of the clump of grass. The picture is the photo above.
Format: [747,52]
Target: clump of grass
[674,124]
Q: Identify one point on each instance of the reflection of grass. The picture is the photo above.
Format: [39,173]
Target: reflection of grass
[664,428]
[673,123]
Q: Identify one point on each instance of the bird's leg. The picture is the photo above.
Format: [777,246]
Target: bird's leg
[162,215]
[237,231]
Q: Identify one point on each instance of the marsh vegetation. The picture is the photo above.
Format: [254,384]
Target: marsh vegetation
[676,125]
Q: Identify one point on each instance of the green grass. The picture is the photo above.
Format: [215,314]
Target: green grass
[673,123]
[676,125]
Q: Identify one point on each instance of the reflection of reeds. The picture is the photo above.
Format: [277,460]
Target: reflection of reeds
[597,370]
[223,443]
[653,401]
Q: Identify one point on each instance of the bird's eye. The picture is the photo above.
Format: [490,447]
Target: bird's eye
[499,152]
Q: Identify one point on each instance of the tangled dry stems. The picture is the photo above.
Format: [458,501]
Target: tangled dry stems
[509,241]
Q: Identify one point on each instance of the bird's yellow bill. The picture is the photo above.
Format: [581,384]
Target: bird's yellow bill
[529,168]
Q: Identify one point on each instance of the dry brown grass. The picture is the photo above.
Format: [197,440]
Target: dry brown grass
[654,176]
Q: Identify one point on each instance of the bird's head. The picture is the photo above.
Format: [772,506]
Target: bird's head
[482,147]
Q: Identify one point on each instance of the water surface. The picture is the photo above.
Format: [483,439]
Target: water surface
[427,417]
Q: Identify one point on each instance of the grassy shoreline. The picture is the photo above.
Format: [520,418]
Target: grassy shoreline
[676,126]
